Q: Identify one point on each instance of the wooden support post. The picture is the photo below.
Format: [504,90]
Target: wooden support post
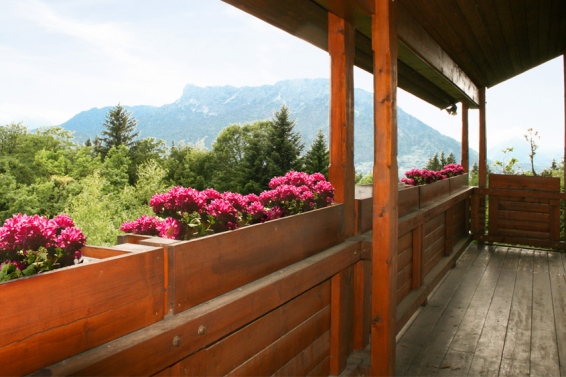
[483,142]
[417,257]
[341,172]
[465,141]
[482,181]
[341,319]
[385,185]
[362,296]
[448,231]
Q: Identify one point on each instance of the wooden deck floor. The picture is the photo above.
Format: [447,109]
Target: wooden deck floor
[500,311]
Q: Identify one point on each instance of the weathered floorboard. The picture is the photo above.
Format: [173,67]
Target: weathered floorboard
[500,312]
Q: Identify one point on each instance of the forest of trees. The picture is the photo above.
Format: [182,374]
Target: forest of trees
[109,179]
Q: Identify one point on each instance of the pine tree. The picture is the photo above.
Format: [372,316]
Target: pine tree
[254,173]
[284,144]
[120,130]
[442,161]
[316,158]
[451,159]
[434,163]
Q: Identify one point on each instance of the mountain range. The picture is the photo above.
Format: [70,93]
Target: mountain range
[202,112]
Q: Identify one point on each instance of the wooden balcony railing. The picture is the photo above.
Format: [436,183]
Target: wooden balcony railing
[519,210]
[290,297]
[433,230]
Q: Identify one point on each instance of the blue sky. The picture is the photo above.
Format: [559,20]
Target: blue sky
[60,57]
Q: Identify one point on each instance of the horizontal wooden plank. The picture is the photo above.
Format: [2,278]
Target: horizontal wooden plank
[438,235]
[275,356]
[530,194]
[404,275]
[414,219]
[524,216]
[432,262]
[234,350]
[405,241]
[408,200]
[524,234]
[524,225]
[322,369]
[32,353]
[458,183]
[77,308]
[308,359]
[524,182]
[208,267]
[135,354]
[432,224]
[540,205]
[99,252]
[430,193]
[404,259]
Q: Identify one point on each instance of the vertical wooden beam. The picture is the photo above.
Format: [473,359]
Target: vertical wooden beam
[341,319]
[341,47]
[362,305]
[448,231]
[385,186]
[483,142]
[465,140]
[417,257]
[482,179]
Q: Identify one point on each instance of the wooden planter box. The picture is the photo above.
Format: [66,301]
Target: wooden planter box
[51,316]
[458,183]
[433,192]
[203,268]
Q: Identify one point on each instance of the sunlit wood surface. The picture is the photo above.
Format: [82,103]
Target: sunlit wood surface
[500,311]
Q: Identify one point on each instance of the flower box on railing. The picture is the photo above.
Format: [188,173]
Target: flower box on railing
[203,268]
[54,315]
[458,183]
[432,192]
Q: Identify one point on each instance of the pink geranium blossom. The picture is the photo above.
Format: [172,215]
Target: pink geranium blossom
[38,243]
[188,212]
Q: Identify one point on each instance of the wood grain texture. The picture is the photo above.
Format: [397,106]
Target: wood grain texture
[341,171]
[504,315]
[204,268]
[342,319]
[385,216]
[80,307]
[135,354]
[234,350]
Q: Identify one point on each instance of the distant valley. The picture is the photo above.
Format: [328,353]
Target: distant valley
[202,112]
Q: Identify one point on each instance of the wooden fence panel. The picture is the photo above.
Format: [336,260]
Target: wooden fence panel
[522,210]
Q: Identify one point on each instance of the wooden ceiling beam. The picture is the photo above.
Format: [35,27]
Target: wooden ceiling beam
[420,51]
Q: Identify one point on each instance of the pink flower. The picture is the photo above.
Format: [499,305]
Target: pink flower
[62,221]
[409,181]
[452,170]
[211,194]
[171,228]
[238,201]
[146,225]
[274,213]
[23,232]
[186,200]
[71,239]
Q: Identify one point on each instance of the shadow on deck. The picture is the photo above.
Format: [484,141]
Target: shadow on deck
[500,311]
